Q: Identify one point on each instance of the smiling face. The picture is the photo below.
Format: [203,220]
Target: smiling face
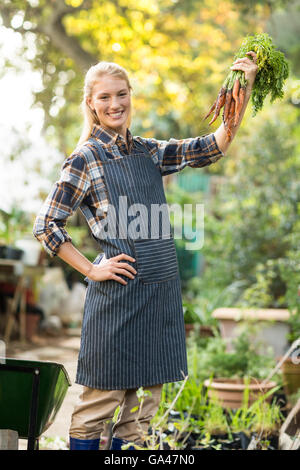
[111,101]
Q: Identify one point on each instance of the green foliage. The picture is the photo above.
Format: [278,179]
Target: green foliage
[192,398]
[240,419]
[208,357]
[248,357]
[191,313]
[261,417]
[284,26]
[201,297]
[266,419]
[181,50]
[290,273]
[214,420]
[251,226]
[13,225]
[272,72]
[195,413]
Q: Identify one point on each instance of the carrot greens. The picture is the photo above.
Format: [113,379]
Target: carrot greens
[272,72]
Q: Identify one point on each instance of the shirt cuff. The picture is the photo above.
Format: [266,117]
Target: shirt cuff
[52,242]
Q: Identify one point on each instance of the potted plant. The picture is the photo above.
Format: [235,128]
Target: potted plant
[240,422]
[12,225]
[262,420]
[214,423]
[193,318]
[234,373]
[291,366]
[266,422]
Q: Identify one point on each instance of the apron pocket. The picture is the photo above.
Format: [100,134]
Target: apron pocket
[156,259]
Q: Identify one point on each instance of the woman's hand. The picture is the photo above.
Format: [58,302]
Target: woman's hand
[108,269]
[248,66]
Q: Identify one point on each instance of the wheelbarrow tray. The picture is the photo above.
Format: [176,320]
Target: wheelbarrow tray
[20,392]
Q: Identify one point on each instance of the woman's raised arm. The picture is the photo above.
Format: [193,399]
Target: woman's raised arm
[249,67]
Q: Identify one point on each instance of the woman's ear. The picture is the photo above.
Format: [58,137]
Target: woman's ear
[89,102]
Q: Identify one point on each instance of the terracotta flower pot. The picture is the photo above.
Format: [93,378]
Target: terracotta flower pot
[204,331]
[291,376]
[230,392]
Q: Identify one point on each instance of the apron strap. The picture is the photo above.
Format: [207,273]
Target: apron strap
[102,153]
[99,148]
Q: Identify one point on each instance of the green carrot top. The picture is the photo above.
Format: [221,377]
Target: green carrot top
[273,70]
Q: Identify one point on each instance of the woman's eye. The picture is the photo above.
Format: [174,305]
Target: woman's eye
[107,97]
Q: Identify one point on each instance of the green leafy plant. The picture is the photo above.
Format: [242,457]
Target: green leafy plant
[252,231]
[240,420]
[247,359]
[192,398]
[13,225]
[215,421]
[273,69]
[246,418]
[157,437]
[191,312]
[266,418]
[185,409]
[290,272]
[207,442]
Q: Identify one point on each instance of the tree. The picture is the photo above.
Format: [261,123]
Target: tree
[252,228]
[176,52]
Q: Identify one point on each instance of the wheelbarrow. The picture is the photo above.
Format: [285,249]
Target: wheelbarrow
[31,394]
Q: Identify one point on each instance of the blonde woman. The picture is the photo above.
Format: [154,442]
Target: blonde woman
[133,330]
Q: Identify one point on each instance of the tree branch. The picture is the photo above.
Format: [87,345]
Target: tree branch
[53,28]
[69,45]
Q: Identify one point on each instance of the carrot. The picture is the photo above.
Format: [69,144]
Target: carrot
[242,94]
[211,109]
[230,121]
[220,104]
[227,105]
[235,94]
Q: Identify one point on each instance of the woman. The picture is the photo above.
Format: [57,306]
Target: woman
[133,329]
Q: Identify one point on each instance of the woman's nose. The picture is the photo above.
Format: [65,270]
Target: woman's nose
[114,103]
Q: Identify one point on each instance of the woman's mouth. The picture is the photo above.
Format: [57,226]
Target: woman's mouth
[116,115]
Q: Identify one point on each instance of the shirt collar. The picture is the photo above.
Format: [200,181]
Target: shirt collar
[109,136]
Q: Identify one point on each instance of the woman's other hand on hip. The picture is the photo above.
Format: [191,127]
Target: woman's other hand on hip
[109,269]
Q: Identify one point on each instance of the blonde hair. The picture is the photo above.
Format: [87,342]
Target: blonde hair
[91,77]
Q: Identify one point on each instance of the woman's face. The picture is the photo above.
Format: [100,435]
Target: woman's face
[112,102]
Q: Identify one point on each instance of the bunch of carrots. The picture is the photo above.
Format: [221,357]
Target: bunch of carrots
[271,74]
[231,97]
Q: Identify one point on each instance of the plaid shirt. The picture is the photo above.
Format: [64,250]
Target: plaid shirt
[81,183]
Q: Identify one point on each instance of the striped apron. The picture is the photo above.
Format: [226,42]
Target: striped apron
[133,335]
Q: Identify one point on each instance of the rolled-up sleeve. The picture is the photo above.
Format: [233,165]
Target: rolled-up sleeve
[62,201]
[173,155]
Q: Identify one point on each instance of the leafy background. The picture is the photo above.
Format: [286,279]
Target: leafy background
[177,55]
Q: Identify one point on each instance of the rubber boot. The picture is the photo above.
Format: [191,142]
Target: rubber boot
[84,444]
[117,443]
